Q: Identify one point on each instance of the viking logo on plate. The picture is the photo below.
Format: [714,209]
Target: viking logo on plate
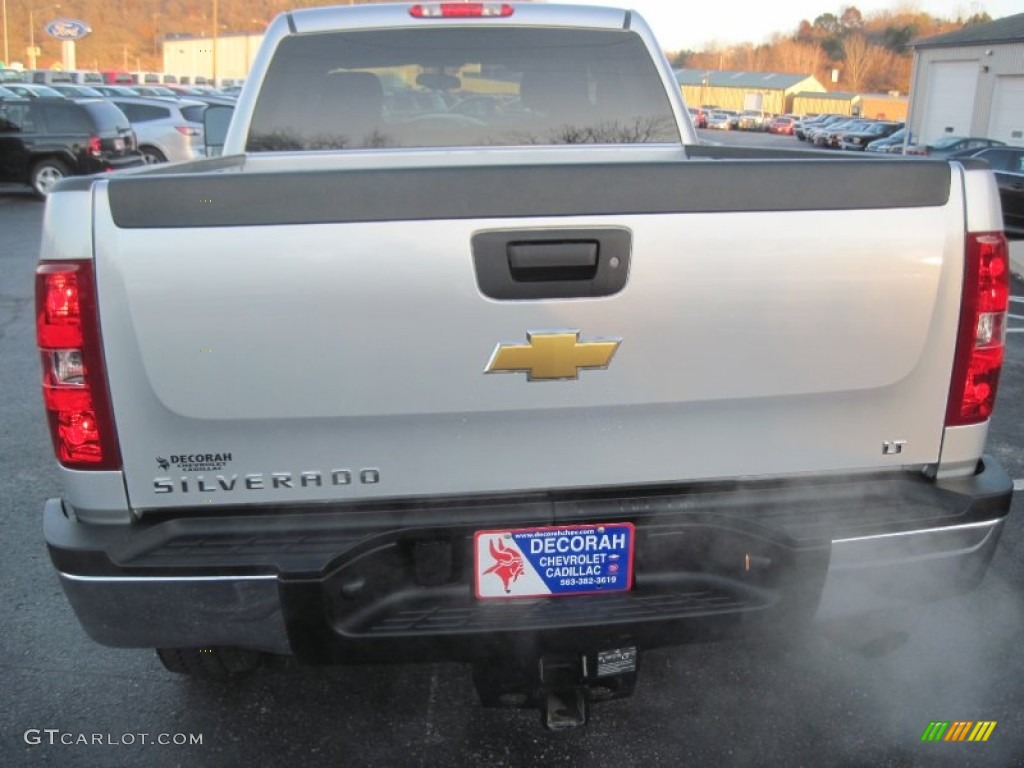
[508,564]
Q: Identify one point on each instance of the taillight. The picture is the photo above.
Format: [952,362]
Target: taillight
[460,10]
[74,382]
[982,335]
[95,146]
[189,130]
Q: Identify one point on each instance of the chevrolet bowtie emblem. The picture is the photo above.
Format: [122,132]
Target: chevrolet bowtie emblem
[552,356]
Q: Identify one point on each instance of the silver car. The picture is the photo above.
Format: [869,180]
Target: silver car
[33,91]
[168,131]
[76,91]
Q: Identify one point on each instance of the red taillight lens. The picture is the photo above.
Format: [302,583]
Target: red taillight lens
[189,130]
[74,382]
[460,10]
[95,146]
[981,339]
[60,316]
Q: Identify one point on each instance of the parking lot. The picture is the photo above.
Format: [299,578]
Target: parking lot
[841,694]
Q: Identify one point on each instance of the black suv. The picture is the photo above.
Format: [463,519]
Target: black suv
[1008,165]
[44,140]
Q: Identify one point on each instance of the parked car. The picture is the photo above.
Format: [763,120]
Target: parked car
[6,93]
[699,117]
[816,135]
[857,141]
[811,130]
[891,144]
[77,91]
[189,90]
[86,77]
[752,120]
[719,121]
[832,137]
[803,126]
[167,131]
[146,78]
[202,93]
[950,144]
[12,75]
[116,90]
[49,76]
[155,91]
[113,77]
[783,124]
[33,91]
[44,140]
[1008,165]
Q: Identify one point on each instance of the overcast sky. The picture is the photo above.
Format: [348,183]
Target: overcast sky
[681,25]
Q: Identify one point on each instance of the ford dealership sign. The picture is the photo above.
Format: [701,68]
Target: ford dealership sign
[67,29]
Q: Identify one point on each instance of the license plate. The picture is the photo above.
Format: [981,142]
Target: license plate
[548,562]
[118,145]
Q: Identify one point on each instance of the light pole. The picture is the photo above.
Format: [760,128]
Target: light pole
[32,33]
[216,23]
[7,56]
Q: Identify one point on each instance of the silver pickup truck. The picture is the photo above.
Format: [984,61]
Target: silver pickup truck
[465,350]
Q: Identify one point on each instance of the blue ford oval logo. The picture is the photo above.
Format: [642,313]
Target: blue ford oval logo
[67,29]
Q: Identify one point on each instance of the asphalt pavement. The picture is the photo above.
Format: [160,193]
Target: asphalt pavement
[854,693]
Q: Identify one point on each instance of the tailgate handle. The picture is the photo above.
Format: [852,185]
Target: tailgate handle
[552,263]
[553,260]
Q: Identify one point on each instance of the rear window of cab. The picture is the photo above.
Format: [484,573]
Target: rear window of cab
[379,89]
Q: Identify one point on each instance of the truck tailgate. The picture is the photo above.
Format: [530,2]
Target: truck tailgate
[770,322]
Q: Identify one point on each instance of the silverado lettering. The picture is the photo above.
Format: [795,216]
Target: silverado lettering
[259,481]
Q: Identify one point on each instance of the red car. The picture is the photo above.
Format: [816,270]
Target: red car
[782,124]
[700,117]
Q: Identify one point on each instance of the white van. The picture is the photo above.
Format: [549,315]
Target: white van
[50,76]
[86,77]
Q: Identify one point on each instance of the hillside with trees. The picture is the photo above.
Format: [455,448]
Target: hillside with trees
[128,34]
[868,53]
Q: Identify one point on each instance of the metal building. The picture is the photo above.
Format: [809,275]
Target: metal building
[770,91]
[883,106]
[880,106]
[834,103]
[188,55]
[970,83]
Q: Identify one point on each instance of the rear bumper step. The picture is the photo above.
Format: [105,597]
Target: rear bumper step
[395,583]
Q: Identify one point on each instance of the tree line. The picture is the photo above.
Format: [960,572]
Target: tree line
[868,54]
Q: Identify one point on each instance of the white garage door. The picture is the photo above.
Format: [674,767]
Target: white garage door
[949,100]
[1008,110]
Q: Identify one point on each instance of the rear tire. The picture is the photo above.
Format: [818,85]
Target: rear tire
[45,174]
[214,663]
[152,155]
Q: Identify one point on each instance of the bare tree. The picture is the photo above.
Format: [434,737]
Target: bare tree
[796,57]
[861,60]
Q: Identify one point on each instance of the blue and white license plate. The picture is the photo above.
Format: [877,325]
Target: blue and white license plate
[545,562]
